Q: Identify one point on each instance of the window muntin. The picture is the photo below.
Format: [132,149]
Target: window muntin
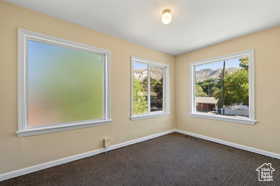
[223,87]
[61,84]
[149,81]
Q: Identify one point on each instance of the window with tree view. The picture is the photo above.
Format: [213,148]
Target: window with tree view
[149,88]
[222,87]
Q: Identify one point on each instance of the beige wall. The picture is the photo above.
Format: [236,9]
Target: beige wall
[20,152]
[265,134]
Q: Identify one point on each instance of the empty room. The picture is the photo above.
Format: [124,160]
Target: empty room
[139,93]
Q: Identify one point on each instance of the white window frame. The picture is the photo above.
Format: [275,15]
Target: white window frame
[23,129]
[251,69]
[166,99]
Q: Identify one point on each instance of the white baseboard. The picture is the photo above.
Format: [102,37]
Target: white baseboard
[20,172]
[231,144]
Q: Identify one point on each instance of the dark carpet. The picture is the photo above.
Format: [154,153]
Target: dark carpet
[165,161]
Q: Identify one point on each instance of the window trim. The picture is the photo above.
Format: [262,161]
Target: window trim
[251,120]
[23,129]
[166,90]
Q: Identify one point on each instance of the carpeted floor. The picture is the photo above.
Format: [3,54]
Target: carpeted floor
[168,160]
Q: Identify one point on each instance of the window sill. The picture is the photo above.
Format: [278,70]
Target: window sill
[147,116]
[60,127]
[224,118]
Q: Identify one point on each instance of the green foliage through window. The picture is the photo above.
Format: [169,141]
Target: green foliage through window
[227,82]
[140,102]
[143,92]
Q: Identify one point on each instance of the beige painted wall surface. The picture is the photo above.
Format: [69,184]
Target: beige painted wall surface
[265,134]
[20,152]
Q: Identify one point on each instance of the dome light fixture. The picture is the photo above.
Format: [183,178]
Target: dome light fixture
[166,16]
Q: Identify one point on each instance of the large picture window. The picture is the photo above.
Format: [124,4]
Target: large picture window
[223,88]
[149,88]
[62,84]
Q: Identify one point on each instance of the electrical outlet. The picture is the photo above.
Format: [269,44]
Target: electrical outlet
[106,142]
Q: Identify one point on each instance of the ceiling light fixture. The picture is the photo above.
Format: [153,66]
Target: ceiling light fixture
[166,16]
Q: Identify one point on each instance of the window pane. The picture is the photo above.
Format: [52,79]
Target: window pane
[222,87]
[156,88]
[206,86]
[64,84]
[140,88]
[236,88]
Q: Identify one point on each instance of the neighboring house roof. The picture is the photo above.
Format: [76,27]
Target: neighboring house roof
[207,100]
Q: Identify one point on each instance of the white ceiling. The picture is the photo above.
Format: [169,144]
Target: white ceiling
[196,23]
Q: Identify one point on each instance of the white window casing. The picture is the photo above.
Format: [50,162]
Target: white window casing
[23,128]
[251,70]
[166,87]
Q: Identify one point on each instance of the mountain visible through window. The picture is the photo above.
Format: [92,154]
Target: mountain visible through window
[149,88]
[222,87]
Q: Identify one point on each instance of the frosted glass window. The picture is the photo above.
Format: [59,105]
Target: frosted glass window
[62,84]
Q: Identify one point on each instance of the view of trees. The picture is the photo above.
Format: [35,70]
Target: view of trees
[236,88]
[140,92]
[156,94]
[199,91]
[140,102]
[230,88]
